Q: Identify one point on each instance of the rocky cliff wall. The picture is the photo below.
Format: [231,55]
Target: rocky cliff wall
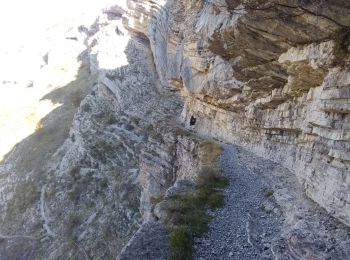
[271,76]
[85,181]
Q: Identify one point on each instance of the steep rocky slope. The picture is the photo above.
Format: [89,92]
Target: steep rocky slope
[271,76]
[82,184]
[67,190]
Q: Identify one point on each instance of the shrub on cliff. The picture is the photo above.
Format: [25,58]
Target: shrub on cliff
[187,212]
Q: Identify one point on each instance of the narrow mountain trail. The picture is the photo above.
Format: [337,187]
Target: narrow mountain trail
[267,216]
[238,228]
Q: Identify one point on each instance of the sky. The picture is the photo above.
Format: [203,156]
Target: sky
[28,28]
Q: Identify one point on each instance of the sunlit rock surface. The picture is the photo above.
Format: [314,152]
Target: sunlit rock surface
[98,124]
[89,171]
[69,188]
[273,79]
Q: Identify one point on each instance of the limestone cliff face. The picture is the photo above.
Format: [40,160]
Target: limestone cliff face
[75,188]
[272,76]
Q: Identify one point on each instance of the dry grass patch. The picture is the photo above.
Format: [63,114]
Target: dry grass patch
[187,213]
[182,132]
[209,172]
[209,151]
[24,197]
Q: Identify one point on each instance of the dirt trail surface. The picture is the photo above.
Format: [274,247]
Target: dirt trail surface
[267,216]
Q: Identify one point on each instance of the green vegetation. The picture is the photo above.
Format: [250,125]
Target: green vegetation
[182,132]
[268,193]
[50,191]
[156,136]
[112,119]
[187,213]
[148,127]
[24,197]
[86,108]
[210,174]
[103,150]
[73,221]
[216,200]
[74,194]
[75,172]
[181,243]
[135,120]
[153,132]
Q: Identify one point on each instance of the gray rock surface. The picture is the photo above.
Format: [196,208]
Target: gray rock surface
[152,239]
[85,181]
[271,77]
[242,228]
[267,216]
[267,75]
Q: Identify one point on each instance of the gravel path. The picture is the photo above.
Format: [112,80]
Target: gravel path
[242,228]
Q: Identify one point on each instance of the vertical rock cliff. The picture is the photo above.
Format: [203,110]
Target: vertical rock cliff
[271,76]
[82,184]
[159,77]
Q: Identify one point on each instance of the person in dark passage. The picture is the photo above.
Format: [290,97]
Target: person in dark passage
[193,121]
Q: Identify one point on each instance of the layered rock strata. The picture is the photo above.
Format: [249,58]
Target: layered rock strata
[76,187]
[271,76]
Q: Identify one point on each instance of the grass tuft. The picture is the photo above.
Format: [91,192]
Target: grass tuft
[188,215]
[187,212]
[268,193]
[210,151]
[181,242]
[216,200]
[182,132]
